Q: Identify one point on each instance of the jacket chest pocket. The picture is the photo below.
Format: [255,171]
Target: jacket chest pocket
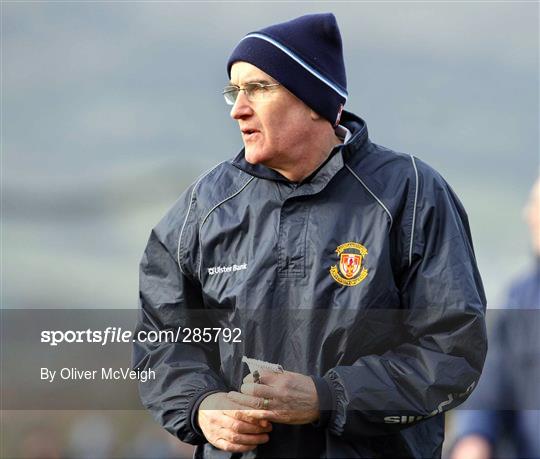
[292,240]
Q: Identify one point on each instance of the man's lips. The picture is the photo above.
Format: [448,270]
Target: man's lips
[249,134]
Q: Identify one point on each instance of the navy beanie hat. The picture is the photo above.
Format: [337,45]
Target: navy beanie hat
[306,56]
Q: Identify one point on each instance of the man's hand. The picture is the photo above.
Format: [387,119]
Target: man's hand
[291,398]
[229,427]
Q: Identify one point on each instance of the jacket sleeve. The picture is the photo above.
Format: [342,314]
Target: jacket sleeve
[438,361]
[171,298]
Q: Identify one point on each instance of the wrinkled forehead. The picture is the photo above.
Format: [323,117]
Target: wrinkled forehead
[244,72]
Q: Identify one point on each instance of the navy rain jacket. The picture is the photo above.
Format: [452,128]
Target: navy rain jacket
[362,276]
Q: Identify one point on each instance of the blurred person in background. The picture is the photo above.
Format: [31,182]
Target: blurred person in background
[349,264]
[508,425]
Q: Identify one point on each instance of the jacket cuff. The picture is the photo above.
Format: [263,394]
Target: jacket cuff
[195,411]
[340,401]
[325,401]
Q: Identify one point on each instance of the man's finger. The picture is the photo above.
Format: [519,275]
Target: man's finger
[265,377]
[225,445]
[259,390]
[260,416]
[248,415]
[241,414]
[243,427]
[250,377]
[248,401]
[234,405]
[244,439]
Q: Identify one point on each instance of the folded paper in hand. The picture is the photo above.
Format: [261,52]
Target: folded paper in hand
[261,365]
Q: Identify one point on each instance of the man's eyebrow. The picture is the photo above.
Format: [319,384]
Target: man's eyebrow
[258,81]
[252,81]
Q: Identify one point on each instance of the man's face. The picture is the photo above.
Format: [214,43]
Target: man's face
[273,129]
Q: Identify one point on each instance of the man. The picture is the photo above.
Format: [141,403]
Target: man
[506,418]
[349,265]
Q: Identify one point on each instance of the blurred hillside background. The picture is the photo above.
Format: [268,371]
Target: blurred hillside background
[111,109]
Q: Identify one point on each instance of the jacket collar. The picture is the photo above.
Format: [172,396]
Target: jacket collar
[359,132]
[339,154]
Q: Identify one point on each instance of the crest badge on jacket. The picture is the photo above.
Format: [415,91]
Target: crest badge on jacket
[350,270]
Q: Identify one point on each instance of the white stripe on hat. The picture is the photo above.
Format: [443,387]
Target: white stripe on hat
[298,59]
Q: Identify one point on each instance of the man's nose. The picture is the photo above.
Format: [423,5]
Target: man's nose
[241,107]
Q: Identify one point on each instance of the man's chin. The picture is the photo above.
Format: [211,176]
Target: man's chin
[253,157]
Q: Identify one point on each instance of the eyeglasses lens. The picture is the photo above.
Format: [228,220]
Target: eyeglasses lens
[230,93]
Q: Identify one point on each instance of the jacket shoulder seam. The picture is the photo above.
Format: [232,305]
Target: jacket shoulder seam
[372,194]
[223,201]
[191,199]
[414,209]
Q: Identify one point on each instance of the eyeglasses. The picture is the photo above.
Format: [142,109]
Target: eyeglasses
[253,91]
